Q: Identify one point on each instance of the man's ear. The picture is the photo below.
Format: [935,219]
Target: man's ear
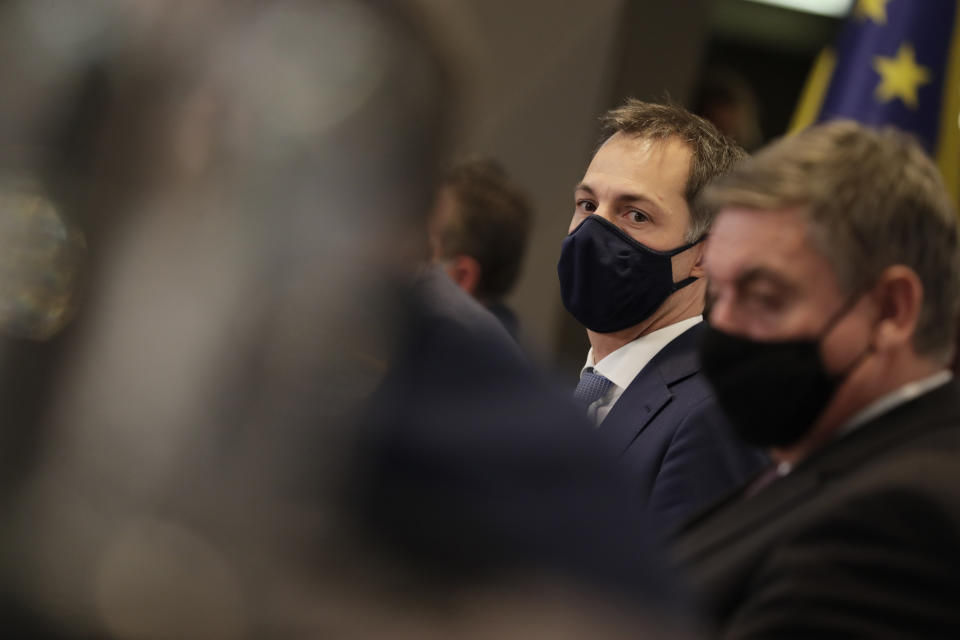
[465,271]
[899,297]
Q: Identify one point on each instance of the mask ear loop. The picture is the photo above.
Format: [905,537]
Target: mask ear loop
[831,323]
[691,279]
[850,303]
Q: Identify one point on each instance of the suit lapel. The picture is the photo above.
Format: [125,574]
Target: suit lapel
[736,516]
[638,405]
[650,390]
[930,412]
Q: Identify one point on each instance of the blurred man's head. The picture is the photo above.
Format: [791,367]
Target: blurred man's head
[641,186]
[727,99]
[840,245]
[479,228]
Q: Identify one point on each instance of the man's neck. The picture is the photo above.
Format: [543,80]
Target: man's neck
[854,395]
[690,305]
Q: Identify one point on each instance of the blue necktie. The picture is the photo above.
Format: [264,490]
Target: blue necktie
[591,386]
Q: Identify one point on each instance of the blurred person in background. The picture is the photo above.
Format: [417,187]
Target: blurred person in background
[259,426]
[631,272]
[834,270]
[727,99]
[478,233]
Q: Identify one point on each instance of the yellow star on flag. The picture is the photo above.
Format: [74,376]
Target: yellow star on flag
[875,10]
[900,77]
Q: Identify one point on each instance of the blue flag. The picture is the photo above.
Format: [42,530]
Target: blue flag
[895,62]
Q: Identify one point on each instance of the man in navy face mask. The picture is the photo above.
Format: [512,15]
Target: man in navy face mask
[834,271]
[631,272]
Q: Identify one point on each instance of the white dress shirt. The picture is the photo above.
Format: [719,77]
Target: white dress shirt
[623,365]
[895,398]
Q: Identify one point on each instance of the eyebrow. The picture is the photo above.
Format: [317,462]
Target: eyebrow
[583,187]
[763,274]
[623,197]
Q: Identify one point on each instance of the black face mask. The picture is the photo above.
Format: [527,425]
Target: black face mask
[609,281]
[772,392]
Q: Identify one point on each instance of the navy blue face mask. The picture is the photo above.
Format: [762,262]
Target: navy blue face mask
[609,281]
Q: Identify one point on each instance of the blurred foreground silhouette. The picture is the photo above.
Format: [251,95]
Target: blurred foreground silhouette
[265,420]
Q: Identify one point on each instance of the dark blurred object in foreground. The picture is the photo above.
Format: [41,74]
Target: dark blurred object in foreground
[252,180]
[474,467]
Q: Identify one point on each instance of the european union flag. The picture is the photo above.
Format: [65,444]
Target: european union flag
[895,62]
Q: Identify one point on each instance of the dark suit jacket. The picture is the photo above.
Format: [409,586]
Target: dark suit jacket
[507,318]
[677,449]
[860,540]
[471,465]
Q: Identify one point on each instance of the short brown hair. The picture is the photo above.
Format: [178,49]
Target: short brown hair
[490,222]
[713,154]
[872,199]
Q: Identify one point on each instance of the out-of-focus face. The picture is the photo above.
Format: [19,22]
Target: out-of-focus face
[767,281]
[638,185]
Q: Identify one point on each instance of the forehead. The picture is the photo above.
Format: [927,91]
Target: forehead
[658,167]
[745,241]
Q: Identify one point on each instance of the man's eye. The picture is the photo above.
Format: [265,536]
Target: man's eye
[765,301]
[638,216]
[586,206]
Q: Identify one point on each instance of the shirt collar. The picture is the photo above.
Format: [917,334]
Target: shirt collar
[623,365]
[895,398]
